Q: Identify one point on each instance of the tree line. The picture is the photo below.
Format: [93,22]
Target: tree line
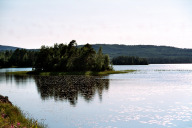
[63,57]
[129,60]
[153,54]
[169,60]
[60,57]
[18,58]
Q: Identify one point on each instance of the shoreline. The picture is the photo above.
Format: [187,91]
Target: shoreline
[87,73]
[13,117]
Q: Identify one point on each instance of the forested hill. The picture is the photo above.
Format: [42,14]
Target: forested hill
[154,54]
[145,51]
[4,47]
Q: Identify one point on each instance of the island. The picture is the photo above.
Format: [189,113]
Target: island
[62,59]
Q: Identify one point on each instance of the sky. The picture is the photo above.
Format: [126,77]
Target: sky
[33,23]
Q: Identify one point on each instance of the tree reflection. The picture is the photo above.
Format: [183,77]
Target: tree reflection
[17,79]
[70,87]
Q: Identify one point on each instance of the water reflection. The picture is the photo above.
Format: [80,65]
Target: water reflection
[70,87]
[19,80]
[157,96]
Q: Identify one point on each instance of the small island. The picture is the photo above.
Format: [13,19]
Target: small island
[70,58]
[62,59]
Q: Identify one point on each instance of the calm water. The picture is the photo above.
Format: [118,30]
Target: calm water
[155,96]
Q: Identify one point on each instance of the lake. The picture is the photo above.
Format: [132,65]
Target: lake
[154,96]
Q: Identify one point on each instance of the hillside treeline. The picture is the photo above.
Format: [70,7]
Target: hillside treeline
[69,57]
[153,54]
[129,60]
[169,60]
[60,57]
[18,58]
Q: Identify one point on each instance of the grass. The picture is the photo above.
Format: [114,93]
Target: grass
[18,73]
[88,73]
[13,117]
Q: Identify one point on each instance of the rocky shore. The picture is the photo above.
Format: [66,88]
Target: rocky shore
[4,99]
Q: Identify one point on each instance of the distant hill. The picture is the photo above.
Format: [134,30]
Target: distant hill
[154,54]
[4,47]
[146,51]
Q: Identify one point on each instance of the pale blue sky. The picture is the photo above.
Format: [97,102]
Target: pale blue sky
[32,23]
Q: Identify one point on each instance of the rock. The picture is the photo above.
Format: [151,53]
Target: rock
[4,99]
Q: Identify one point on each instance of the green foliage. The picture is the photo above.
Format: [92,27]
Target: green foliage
[13,117]
[18,58]
[126,60]
[71,58]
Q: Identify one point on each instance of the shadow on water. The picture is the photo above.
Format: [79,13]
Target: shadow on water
[68,88]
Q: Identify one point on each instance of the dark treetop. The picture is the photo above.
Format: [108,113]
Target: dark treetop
[69,57]
[129,60]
